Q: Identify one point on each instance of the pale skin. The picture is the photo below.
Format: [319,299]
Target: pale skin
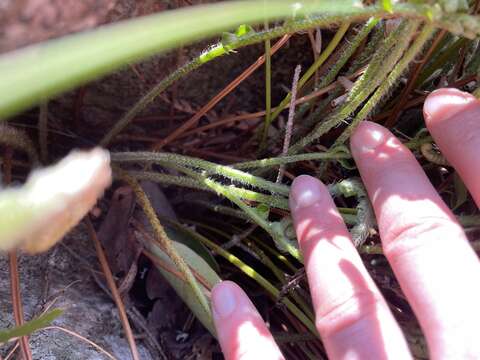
[426,247]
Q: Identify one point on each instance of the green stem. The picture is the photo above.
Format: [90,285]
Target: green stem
[209,167]
[253,214]
[391,80]
[308,74]
[377,70]
[208,55]
[188,182]
[249,271]
[282,160]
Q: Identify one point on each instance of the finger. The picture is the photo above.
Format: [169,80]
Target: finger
[352,317]
[453,118]
[241,330]
[427,249]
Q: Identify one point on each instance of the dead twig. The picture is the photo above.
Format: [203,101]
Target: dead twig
[113,289]
[13,267]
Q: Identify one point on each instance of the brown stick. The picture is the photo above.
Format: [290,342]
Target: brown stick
[113,289]
[259,114]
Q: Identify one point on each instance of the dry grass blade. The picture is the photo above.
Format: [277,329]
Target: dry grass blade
[289,126]
[227,90]
[259,114]
[84,339]
[113,289]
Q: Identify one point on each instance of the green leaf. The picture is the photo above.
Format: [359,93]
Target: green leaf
[199,266]
[387,6]
[228,38]
[54,199]
[44,70]
[263,210]
[243,30]
[30,326]
[192,243]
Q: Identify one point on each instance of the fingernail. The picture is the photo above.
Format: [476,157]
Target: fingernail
[442,104]
[367,137]
[305,192]
[223,299]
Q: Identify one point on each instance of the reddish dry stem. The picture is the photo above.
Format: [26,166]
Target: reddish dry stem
[228,89]
[114,290]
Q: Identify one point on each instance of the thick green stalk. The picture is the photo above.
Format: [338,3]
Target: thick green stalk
[42,71]
[392,79]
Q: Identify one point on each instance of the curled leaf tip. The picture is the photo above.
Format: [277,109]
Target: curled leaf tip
[53,200]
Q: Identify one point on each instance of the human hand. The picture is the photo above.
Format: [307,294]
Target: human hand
[426,247]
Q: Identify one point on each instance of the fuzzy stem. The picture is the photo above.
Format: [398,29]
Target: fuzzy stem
[253,214]
[392,79]
[350,48]
[370,80]
[337,153]
[164,241]
[188,182]
[225,171]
